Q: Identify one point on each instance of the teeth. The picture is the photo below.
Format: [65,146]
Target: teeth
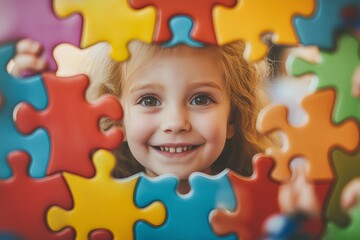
[172,150]
[162,148]
[179,149]
[175,150]
[184,148]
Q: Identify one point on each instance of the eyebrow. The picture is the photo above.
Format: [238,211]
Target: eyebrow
[139,87]
[206,84]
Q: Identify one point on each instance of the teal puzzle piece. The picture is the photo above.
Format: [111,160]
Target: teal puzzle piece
[335,69]
[14,91]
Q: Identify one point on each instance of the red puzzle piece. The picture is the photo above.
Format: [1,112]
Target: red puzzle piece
[72,123]
[24,201]
[199,11]
[257,199]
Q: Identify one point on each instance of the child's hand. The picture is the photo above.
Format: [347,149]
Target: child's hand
[28,58]
[298,195]
[350,193]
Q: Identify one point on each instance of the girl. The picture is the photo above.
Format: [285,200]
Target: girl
[185,109]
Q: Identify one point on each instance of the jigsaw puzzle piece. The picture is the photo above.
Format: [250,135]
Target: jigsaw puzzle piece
[251,211]
[346,168]
[24,201]
[181,28]
[113,21]
[207,193]
[348,233]
[36,20]
[233,24]
[69,114]
[321,28]
[115,210]
[335,69]
[9,236]
[312,140]
[15,90]
[199,11]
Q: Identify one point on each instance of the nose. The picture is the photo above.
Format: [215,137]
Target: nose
[175,120]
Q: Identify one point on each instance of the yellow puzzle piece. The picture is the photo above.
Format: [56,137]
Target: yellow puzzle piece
[114,21]
[313,140]
[103,203]
[250,19]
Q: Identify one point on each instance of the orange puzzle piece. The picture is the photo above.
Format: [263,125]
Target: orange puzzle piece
[312,140]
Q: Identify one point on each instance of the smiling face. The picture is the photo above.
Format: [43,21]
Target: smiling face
[176,113]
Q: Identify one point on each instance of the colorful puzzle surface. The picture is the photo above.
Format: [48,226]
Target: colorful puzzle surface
[55,162]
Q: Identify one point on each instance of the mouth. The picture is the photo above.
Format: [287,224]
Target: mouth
[178,149]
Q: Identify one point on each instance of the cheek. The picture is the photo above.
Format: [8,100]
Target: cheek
[137,127]
[213,128]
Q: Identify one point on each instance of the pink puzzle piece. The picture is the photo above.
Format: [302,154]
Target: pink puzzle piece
[199,11]
[72,123]
[24,201]
[257,199]
[35,19]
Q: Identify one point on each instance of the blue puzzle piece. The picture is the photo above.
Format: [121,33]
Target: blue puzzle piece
[181,27]
[9,236]
[187,215]
[320,29]
[14,91]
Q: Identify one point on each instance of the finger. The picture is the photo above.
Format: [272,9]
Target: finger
[27,62]
[28,46]
[356,83]
[350,193]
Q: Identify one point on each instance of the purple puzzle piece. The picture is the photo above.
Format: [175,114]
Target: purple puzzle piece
[35,19]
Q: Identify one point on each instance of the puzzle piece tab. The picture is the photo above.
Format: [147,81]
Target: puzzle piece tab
[36,20]
[187,215]
[251,211]
[199,11]
[250,19]
[320,29]
[312,140]
[72,123]
[181,28]
[335,69]
[24,201]
[113,21]
[15,90]
[114,210]
[346,168]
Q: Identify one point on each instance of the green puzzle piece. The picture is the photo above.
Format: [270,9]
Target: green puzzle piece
[335,69]
[346,168]
[351,232]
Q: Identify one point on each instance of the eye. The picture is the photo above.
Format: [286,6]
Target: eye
[148,101]
[201,99]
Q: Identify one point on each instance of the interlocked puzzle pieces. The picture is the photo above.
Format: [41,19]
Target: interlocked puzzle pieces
[312,140]
[350,232]
[346,168]
[20,20]
[100,17]
[24,201]
[187,215]
[320,29]
[199,11]
[335,69]
[104,203]
[250,19]
[15,90]
[251,211]
[73,124]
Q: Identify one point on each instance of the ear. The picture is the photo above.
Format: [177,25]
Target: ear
[230,130]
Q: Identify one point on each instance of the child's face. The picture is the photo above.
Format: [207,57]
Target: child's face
[176,113]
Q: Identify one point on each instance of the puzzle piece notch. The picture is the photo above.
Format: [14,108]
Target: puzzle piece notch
[23,204]
[320,29]
[335,69]
[15,90]
[313,140]
[181,28]
[262,21]
[199,11]
[101,16]
[69,114]
[35,20]
[206,194]
[114,211]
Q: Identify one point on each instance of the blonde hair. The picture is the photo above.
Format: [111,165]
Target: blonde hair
[244,85]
